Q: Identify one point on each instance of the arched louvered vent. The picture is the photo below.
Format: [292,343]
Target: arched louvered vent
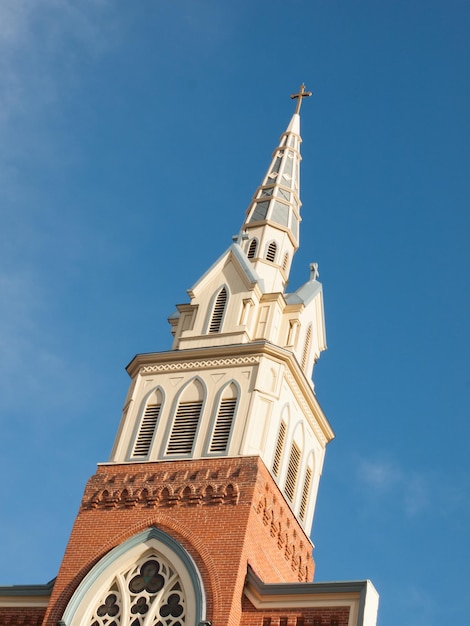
[292,471]
[271,252]
[252,249]
[147,430]
[184,428]
[306,351]
[223,425]
[279,449]
[218,312]
[285,261]
[305,492]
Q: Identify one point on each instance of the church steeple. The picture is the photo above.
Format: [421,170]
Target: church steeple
[273,216]
[237,381]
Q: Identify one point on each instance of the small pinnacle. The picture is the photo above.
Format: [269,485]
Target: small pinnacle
[314,273]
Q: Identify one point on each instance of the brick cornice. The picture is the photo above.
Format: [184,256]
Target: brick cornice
[229,482]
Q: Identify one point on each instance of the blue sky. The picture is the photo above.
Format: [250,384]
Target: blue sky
[132,136]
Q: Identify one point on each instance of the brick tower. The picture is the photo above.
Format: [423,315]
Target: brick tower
[203,513]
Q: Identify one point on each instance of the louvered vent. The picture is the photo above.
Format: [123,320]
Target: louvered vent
[292,472]
[285,261]
[305,493]
[279,449]
[252,248]
[308,340]
[223,425]
[218,312]
[184,428]
[147,429]
[271,253]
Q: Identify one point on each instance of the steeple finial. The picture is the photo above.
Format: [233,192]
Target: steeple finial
[302,94]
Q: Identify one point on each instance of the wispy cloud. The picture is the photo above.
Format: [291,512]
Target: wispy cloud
[379,475]
[382,478]
[42,48]
[32,371]
[40,43]
[416,494]
[21,300]
[416,491]
[20,20]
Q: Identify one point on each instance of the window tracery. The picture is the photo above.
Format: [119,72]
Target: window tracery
[149,593]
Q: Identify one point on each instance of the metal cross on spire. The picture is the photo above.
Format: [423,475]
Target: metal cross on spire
[302,94]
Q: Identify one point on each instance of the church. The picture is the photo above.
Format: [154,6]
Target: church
[202,515]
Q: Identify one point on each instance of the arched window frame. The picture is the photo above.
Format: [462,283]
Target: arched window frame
[171,422]
[212,310]
[140,422]
[215,415]
[100,577]
[252,248]
[271,251]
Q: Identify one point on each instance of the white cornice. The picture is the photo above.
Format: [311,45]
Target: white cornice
[199,364]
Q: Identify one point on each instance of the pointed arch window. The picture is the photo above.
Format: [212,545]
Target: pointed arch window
[149,580]
[271,252]
[186,421]
[218,311]
[292,472]
[279,448]
[224,420]
[148,592]
[306,492]
[148,425]
[252,248]
[306,350]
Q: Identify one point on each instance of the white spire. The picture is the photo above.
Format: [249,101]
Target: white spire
[273,216]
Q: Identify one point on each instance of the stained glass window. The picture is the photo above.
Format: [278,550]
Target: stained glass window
[149,593]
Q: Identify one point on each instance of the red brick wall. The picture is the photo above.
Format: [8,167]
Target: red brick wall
[225,512]
[19,616]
